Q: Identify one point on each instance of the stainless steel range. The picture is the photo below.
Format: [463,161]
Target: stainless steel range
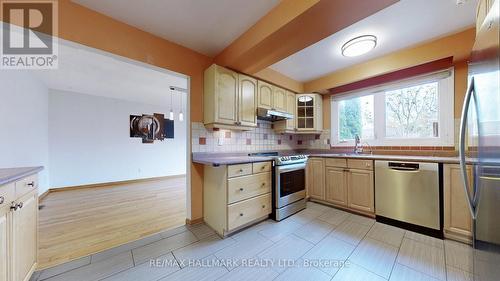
[289,184]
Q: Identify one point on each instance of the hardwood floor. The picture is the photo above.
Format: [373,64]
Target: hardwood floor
[77,223]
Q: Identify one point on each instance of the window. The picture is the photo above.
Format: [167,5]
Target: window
[414,112]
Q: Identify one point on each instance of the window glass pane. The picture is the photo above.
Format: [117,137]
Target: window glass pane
[412,112]
[310,123]
[356,118]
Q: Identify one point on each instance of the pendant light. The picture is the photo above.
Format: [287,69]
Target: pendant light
[171,115]
[181,115]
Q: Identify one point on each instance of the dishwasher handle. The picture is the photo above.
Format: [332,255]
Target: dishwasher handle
[401,166]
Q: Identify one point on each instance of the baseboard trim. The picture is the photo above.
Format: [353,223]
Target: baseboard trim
[195,221]
[94,185]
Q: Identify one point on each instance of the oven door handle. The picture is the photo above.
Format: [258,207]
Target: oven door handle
[290,168]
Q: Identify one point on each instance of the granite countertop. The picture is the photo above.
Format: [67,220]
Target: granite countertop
[9,175]
[217,159]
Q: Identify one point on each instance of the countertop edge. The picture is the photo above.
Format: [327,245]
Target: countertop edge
[27,171]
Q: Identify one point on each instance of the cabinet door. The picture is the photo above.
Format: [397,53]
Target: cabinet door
[336,186]
[226,96]
[4,245]
[481,12]
[265,98]
[305,112]
[24,237]
[457,218]
[247,100]
[279,99]
[316,178]
[360,194]
[290,108]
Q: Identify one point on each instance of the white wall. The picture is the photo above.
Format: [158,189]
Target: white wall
[24,123]
[90,143]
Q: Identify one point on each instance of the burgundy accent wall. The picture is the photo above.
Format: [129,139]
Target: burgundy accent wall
[395,76]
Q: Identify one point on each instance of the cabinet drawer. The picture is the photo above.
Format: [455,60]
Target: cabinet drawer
[26,185]
[239,170]
[360,164]
[336,162]
[7,194]
[246,211]
[241,188]
[261,167]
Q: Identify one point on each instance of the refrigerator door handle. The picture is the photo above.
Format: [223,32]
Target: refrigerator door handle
[461,150]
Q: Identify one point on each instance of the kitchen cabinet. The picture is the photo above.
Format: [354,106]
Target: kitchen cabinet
[347,183]
[265,95]
[309,118]
[336,186]
[315,178]
[287,126]
[482,10]
[229,99]
[457,218]
[18,229]
[279,99]
[360,190]
[236,196]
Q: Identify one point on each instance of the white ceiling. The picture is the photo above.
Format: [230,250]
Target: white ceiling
[405,23]
[89,71]
[207,26]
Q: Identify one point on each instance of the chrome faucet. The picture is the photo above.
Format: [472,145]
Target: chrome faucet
[357,145]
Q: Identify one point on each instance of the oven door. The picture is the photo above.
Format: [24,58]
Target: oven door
[290,184]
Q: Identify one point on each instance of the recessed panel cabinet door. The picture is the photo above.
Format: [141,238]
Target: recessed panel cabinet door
[457,218]
[290,108]
[247,100]
[265,98]
[3,243]
[227,96]
[336,186]
[279,99]
[24,237]
[360,190]
[317,178]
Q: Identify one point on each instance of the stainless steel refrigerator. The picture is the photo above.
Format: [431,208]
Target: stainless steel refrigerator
[480,145]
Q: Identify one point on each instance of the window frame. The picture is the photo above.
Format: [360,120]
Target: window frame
[446,118]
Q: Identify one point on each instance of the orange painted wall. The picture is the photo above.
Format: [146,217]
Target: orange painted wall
[87,27]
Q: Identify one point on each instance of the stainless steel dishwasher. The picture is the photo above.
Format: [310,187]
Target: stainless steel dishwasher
[408,192]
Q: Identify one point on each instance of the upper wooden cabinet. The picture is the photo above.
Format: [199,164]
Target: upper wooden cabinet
[279,99]
[482,10]
[457,218]
[287,126]
[265,95]
[309,116]
[247,100]
[229,99]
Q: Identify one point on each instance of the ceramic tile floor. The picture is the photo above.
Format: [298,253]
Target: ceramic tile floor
[319,243]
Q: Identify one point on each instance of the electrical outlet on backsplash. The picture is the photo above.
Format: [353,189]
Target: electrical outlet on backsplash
[261,138]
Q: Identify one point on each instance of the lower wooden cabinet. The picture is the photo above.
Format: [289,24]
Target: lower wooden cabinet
[18,229]
[360,190]
[457,218]
[236,195]
[316,178]
[346,183]
[336,186]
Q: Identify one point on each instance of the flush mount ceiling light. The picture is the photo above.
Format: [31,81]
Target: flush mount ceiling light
[359,46]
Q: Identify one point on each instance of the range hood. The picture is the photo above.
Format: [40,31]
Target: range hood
[272,115]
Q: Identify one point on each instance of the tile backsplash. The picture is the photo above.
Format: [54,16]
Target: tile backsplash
[261,138]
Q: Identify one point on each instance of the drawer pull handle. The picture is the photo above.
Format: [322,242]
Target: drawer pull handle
[32,184]
[241,214]
[263,206]
[263,184]
[2,199]
[241,188]
[241,170]
[263,167]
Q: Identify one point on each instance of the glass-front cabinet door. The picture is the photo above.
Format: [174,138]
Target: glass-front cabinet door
[309,115]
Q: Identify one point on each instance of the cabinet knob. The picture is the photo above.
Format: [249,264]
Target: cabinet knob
[241,170]
[241,214]
[20,205]
[263,184]
[13,206]
[32,184]
[2,199]
[241,188]
[263,206]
